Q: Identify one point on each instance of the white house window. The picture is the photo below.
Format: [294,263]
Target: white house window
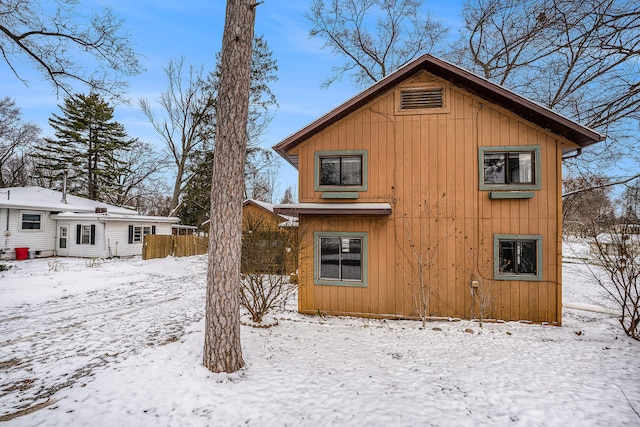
[137,234]
[31,221]
[85,235]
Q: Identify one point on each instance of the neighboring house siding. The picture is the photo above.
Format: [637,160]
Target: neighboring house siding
[111,238]
[42,240]
[257,218]
[86,250]
[426,166]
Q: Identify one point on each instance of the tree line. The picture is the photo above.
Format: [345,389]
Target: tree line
[103,162]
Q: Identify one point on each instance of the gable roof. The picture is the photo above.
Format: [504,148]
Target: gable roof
[267,207]
[523,107]
[38,198]
[259,203]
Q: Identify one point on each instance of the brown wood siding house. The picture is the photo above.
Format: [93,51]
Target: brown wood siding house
[432,185]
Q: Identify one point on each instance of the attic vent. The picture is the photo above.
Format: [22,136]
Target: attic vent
[421,98]
[101,210]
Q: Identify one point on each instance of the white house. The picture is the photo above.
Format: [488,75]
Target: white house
[49,223]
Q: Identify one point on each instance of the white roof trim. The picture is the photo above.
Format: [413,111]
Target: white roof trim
[100,217]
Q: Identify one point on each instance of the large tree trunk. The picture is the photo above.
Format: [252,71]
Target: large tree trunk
[222,349]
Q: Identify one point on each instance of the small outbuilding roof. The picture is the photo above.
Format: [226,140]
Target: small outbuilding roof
[523,107]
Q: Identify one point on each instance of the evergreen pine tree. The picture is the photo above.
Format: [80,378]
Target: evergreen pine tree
[88,144]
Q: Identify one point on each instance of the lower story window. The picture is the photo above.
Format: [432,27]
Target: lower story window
[85,234]
[31,221]
[340,259]
[137,232]
[517,257]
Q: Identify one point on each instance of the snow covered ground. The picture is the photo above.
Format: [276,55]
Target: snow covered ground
[120,343]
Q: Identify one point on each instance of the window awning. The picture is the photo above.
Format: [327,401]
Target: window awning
[295,209]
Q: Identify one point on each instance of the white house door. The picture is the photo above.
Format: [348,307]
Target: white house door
[63,241]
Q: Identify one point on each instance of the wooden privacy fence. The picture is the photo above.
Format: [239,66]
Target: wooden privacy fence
[161,246]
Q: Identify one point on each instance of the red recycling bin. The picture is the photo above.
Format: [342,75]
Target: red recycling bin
[22,253]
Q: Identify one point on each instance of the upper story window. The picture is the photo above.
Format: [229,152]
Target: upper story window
[341,171]
[509,168]
[31,221]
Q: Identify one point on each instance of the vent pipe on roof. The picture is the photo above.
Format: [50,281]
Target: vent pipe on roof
[64,186]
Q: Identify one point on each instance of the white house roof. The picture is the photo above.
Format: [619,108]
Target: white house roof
[39,198]
[113,217]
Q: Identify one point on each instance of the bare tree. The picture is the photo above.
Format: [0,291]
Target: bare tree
[261,175]
[287,197]
[425,245]
[584,210]
[141,175]
[180,127]
[577,57]
[265,281]
[375,37]
[222,347]
[16,137]
[617,271]
[54,36]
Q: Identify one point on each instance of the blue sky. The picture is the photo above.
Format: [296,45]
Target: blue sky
[162,30]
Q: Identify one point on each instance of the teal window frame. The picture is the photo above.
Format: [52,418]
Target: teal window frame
[317,280]
[341,188]
[537,169]
[497,238]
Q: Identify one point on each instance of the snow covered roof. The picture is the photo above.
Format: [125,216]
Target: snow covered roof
[39,198]
[259,203]
[290,220]
[107,216]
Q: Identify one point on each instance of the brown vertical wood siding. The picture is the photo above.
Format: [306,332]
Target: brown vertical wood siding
[426,167]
